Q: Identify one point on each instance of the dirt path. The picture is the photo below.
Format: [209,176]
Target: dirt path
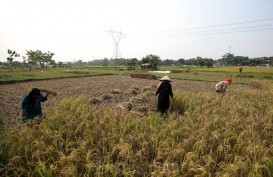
[12,94]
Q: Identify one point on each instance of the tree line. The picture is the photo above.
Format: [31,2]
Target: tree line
[44,59]
[154,61]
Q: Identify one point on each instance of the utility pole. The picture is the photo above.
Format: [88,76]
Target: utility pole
[116,36]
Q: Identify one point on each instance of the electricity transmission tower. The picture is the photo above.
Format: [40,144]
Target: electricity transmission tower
[229,49]
[116,36]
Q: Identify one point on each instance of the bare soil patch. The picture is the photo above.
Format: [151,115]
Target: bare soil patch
[123,91]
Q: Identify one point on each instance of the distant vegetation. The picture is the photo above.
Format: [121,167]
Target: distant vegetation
[40,60]
[177,72]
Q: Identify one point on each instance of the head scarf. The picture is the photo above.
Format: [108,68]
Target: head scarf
[32,93]
[229,80]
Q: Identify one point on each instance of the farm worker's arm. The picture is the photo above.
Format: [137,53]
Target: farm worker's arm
[48,92]
[225,85]
[44,98]
[171,91]
[158,86]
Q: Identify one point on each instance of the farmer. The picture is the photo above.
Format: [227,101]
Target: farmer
[164,89]
[222,86]
[240,70]
[31,104]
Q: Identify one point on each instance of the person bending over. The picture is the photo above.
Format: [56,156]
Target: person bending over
[31,104]
[221,87]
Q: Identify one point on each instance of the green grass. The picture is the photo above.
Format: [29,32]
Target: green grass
[19,75]
[229,69]
[218,74]
[186,73]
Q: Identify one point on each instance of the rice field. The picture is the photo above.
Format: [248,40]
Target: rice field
[205,134]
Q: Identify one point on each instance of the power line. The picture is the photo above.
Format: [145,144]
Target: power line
[238,28]
[204,33]
[216,29]
[213,33]
[225,31]
[213,26]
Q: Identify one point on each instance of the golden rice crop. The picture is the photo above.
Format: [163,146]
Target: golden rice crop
[205,134]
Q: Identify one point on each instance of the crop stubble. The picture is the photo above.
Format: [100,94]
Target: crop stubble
[12,94]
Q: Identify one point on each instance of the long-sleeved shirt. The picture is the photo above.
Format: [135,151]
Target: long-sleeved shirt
[32,109]
[221,86]
[165,91]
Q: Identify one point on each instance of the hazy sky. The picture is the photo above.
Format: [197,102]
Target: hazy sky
[172,29]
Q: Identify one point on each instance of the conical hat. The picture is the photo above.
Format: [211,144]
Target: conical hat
[165,78]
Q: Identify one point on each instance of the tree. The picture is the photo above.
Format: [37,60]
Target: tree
[153,60]
[79,63]
[53,63]
[12,54]
[131,63]
[200,61]
[227,59]
[60,64]
[38,56]
[105,62]
[209,63]
[168,62]
[181,61]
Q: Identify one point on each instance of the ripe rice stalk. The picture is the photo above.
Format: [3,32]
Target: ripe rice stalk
[235,135]
[257,170]
[69,170]
[230,170]
[269,164]
[42,169]
[243,168]
[220,152]
[91,168]
[210,163]
[172,169]
[200,146]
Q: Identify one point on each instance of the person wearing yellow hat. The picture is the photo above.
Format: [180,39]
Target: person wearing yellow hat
[222,86]
[164,92]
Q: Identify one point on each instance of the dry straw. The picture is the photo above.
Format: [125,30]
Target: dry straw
[204,135]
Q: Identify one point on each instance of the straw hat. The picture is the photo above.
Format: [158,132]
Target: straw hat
[165,78]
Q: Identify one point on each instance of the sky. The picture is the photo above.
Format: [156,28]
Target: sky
[172,29]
